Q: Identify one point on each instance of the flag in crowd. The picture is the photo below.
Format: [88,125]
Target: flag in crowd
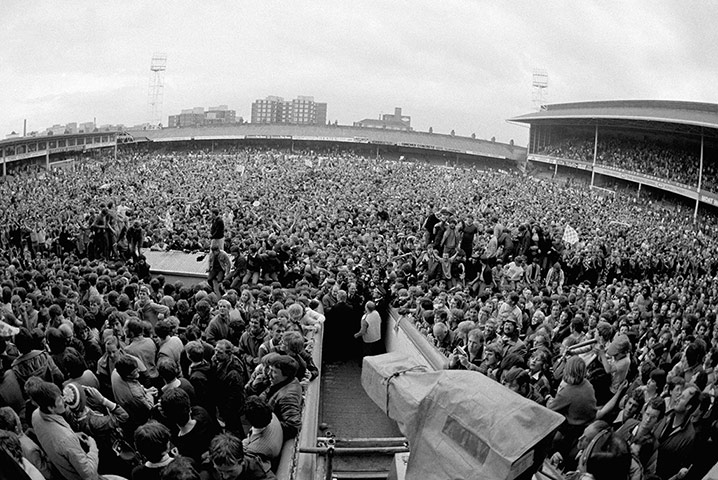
[570,235]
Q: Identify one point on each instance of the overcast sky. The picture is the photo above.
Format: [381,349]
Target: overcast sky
[463,65]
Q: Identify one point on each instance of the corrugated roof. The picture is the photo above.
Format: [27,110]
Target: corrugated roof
[676,112]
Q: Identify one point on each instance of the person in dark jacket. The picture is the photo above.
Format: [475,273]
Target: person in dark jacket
[34,362]
[194,428]
[284,395]
[228,380]
[200,375]
[216,232]
[676,437]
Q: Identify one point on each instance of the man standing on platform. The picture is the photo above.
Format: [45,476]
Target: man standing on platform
[216,232]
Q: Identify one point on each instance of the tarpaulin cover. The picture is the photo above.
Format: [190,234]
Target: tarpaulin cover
[460,424]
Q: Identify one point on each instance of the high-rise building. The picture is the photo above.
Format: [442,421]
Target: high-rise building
[301,111]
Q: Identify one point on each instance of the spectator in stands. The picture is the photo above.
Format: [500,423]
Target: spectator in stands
[227,386]
[10,422]
[129,393]
[152,441]
[676,437]
[10,445]
[284,395]
[218,327]
[230,462]
[74,455]
[200,375]
[576,400]
[196,428]
[265,439]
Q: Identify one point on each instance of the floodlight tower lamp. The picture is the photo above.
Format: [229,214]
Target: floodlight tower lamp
[155,94]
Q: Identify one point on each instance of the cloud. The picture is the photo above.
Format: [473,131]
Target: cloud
[463,65]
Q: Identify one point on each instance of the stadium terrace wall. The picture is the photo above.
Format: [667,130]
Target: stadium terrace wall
[379,140]
[52,148]
[685,191]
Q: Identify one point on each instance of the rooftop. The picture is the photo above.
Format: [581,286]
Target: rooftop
[679,113]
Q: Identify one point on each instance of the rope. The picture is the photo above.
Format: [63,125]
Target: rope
[416,368]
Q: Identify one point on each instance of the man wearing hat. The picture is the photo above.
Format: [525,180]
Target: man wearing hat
[616,360]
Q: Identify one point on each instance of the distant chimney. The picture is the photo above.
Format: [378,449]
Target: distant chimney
[397,113]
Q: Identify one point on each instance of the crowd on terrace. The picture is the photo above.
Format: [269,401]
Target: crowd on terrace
[108,371]
[665,162]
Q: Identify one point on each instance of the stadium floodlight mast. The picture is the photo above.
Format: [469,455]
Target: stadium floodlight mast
[539,86]
[155,91]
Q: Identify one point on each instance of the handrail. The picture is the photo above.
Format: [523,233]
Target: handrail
[354,450]
[433,356]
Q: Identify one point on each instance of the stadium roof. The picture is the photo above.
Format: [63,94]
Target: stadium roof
[337,134]
[685,117]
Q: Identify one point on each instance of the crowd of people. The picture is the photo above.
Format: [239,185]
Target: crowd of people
[649,158]
[108,371]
